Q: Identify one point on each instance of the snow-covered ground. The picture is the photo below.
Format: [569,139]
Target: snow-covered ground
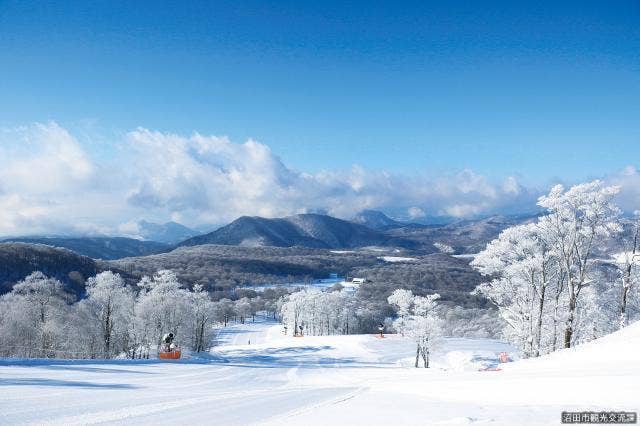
[396,259]
[465,256]
[259,376]
[321,284]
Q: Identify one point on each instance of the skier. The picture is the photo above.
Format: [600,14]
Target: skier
[167,339]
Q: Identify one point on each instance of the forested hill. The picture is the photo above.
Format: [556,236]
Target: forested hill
[304,230]
[223,268]
[17,260]
[368,229]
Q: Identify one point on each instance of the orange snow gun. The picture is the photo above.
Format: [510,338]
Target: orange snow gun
[170,354]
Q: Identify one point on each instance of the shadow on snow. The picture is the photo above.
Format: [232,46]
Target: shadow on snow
[62,383]
[299,356]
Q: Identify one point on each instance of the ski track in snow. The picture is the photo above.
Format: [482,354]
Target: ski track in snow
[334,380]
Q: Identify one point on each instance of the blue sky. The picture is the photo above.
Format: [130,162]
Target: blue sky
[541,92]
[498,87]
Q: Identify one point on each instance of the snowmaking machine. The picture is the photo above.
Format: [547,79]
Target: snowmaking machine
[171,353]
[168,349]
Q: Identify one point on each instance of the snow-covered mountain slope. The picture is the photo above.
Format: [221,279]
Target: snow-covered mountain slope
[304,230]
[618,352]
[259,376]
[168,233]
[376,220]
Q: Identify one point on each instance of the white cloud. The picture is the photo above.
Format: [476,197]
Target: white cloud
[629,181]
[42,159]
[415,212]
[511,186]
[50,182]
[463,210]
[209,179]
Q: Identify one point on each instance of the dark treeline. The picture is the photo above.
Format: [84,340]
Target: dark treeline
[17,260]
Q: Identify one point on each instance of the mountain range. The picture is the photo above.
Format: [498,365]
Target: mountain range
[369,228]
[306,230]
[256,250]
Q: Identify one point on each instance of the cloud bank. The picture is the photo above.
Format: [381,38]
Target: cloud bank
[51,183]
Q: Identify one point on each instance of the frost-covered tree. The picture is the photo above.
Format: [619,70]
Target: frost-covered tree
[38,320]
[271,307]
[402,300]
[444,248]
[524,265]
[425,325]
[109,308]
[420,321]
[33,318]
[243,308]
[225,311]
[628,262]
[323,313]
[292,310]
[202,315]
[162,307]
[597,311]
[257,305]
[539,271]
[424,330]
[471,322]
[578,219]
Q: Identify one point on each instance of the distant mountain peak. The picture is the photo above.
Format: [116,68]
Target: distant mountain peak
[375,219]
[306,230]
[168,233]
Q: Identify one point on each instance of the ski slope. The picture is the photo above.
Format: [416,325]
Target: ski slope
[278,380]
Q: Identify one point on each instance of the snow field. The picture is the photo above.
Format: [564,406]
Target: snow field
[324,380]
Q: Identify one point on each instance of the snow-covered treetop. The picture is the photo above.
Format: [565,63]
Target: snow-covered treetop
[444,248]
[422,305]
[39,285]
[403,300]
[588,203]
[163,281]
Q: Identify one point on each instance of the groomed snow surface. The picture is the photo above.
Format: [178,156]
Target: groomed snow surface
[256,375]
